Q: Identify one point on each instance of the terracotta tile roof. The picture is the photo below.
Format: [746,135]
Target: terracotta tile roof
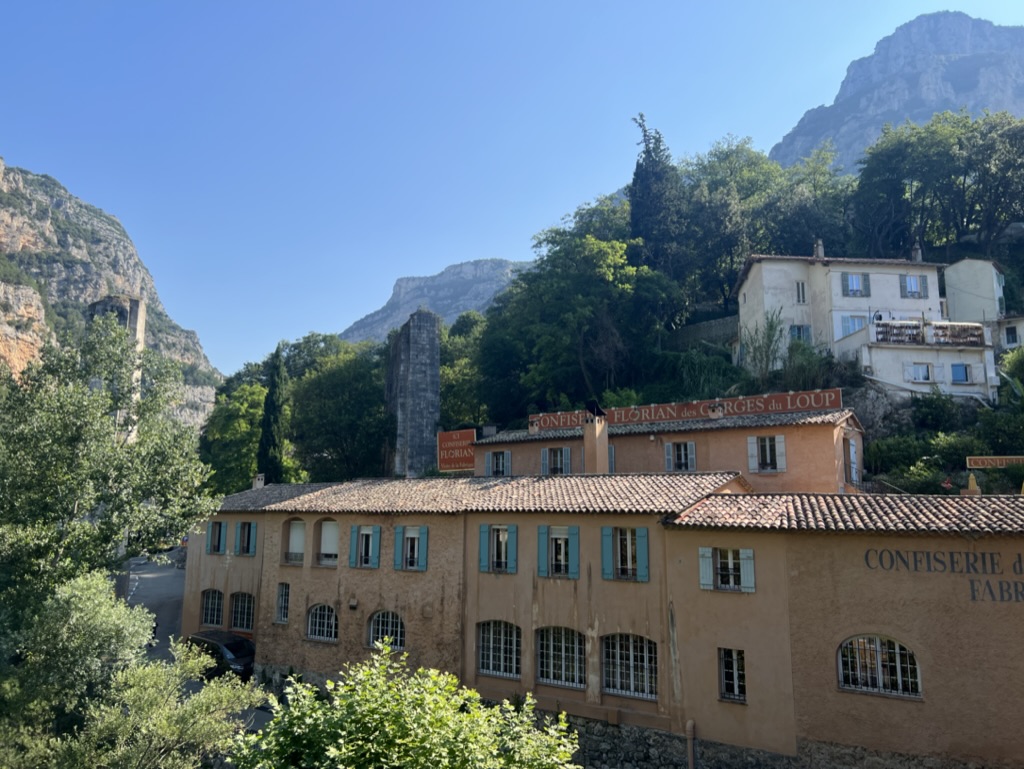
[737,422]
[641,493]
[848,513]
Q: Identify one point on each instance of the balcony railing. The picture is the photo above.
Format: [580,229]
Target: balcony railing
[294,558]
[327,559]
[918,332]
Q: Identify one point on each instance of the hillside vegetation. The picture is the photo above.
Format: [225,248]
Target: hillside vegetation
[602,314]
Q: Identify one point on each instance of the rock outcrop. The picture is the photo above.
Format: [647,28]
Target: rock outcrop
[61,253]
[937,62]
[453,291]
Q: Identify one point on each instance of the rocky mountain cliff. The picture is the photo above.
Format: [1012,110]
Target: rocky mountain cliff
[58,254]
[453,291]
[937,62]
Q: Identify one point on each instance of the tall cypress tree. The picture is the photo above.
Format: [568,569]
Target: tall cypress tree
[656,210]
[270,454]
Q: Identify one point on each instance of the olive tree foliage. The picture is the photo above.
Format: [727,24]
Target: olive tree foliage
[231,437]
[92,466]
[382,715]
[154,715]
[69,649]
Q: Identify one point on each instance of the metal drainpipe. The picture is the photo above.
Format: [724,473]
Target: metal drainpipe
[689,744]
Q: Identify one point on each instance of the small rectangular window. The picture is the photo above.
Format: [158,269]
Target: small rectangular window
[365,545]
[961,373]
[800,333]
[1011,335]
[499,548]
[283,594]
[801,292]
[767,456]
[855,284]
[727,569]
[624,553]
[411,547]
[852,323]
[921,372]
[558,544]
[732,675]
[730,569]
[555,461]
[499,463]
[216,537]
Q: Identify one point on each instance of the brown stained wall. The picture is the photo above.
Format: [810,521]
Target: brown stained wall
[429,602]
[968,650]
[226,572]
[590,605]
[757,623]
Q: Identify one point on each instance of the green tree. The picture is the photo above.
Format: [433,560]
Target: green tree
[92,466]
[340,426]
[270,453]
[154,715]
[231,437]
[460,346]
[381,715]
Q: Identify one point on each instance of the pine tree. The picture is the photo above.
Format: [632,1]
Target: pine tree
[656,211]
[270,454]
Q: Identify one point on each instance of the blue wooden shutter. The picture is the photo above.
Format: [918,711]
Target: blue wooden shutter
[691,456]
[903,286]
[643,573]
[747,570]
[611,458]
[567,460]
[707,568]
[508,463]
[222,547]
[421,556]
[543,461]
[542,551]
[780,452]
[607,553]
[866,283]
[353,547]
[846,284]
[924,286]
[238,538]
[375,548]
[252,538]
[669,464]
[487,463]
[209,536]
[485,541]
[752,454]
[513,548]
[574,552]
[854,471]
[399,543]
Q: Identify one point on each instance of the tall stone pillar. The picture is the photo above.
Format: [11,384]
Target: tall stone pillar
[414,393]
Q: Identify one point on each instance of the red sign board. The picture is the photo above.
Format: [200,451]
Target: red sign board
[980,463]
[775,403]
[455,450]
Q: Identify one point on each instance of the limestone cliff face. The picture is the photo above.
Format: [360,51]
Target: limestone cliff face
[23,328]
[937,62]
[76,254]
[453,291]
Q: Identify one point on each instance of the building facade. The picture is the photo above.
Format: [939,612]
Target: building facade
[788,623]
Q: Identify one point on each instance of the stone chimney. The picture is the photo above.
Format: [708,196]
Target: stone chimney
[819,249]
[257,482]
[595,441]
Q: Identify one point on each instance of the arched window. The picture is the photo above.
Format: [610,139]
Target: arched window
[630,666]
[213,607]
[561,657]
[387,624]
[243,606]
[499,645]
[327,537]
[875,664]
[322,623]
[294,541]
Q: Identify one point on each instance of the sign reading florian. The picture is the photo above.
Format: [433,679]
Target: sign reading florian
[990,574]
[455,450]
[776,403]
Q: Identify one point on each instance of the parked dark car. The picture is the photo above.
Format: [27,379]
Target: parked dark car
[232,652]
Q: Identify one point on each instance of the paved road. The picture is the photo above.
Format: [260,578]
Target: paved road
[160,587]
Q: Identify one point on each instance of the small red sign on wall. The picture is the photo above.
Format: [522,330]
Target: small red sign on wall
[455,450]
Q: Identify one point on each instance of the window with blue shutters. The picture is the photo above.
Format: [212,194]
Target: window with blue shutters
[364,547]
[216,537]
[499,548]
[558,551]
[497,463]
[680,457]
[624,554]
[555,461]
[729,569]
[245,538]
[411,548]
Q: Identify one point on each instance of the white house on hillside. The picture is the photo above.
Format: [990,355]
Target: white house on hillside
[974,293]
[886,314]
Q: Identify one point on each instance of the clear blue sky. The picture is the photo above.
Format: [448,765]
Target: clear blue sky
[279,164]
